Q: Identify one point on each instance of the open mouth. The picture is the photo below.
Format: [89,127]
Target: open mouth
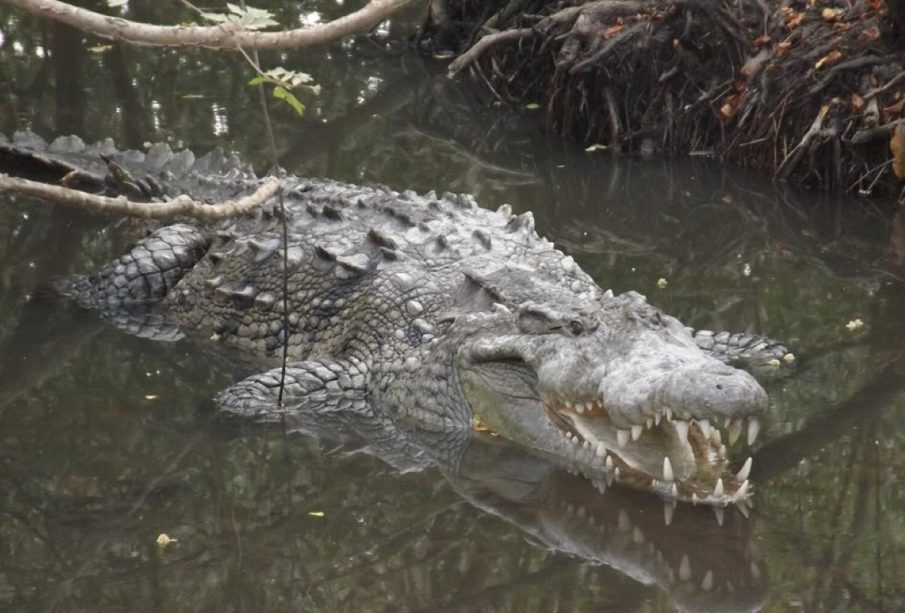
[678,456]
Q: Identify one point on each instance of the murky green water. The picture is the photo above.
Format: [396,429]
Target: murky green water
[108,441]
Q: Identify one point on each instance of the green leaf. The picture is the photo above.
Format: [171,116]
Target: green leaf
[248,18]
[215,17]
[282,93]
[259,80]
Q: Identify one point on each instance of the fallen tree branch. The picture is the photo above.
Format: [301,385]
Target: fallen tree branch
[219,36]
[179,206]
[791,160]
[482,45]
[870,134]
[891,83]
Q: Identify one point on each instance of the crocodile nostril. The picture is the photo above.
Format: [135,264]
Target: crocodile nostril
[719,386]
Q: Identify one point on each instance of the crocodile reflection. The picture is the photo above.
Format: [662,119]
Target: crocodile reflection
[699,561]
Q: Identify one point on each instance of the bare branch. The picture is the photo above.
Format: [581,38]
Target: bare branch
[218,36]
[483,44]
[179,206]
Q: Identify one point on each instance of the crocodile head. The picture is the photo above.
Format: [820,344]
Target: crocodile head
[617,390]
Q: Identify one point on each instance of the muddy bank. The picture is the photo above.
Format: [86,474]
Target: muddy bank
[811,92]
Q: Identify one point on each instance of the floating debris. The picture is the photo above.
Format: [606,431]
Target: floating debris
[854,325]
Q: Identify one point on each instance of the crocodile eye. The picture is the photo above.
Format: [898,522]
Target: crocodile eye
[575,327]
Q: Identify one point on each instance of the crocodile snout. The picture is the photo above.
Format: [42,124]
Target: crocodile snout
[716,392]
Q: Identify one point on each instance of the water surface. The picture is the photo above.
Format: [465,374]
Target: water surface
[108,441]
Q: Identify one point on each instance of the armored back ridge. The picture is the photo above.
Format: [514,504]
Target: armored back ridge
[432,313]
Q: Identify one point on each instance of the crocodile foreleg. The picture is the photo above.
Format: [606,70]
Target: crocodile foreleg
[309,386]
[124,291]
[741,348]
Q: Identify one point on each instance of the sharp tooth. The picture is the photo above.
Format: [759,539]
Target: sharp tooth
[718,511]
[718,489]
[681,429]
[667,470]
[753,429]
[707,583]
[716,436]
[600,450]
[685,568]
[667,413]
[617,473]
[726,422]
[638,536]
[636,432]
[668,510]
[649,423]
[742,506]
[656,419]
[742,491]
[734,429]
[742,475]
[694,499]
[579,408]
[610,465]
[704,424]
[586,444]
[674,491]
[622,437]
[588,407]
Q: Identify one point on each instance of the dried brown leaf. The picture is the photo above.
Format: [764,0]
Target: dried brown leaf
[829,59]
[793,18]
[895,110]
[897,147]
[872,33]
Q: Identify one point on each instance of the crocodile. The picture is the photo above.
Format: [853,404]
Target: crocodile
[427,310]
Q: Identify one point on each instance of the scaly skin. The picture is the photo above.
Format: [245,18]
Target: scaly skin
[435,313]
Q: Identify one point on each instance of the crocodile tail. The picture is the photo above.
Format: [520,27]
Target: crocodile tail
[156,172]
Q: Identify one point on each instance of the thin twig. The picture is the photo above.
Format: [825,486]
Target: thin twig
[891,83]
